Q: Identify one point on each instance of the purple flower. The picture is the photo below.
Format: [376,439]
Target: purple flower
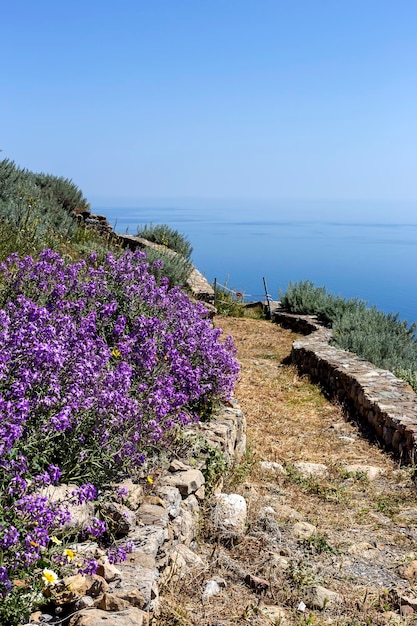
[84,493]
[90,568]
[119,554]
[96,528]
[5,583]
[8,536]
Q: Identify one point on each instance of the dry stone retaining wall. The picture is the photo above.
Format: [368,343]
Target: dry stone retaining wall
[375,396]
[160,523]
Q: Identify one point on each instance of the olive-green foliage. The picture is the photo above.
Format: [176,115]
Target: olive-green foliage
[37,212]
[164,235]
[35,209]
[175,267]
[409,376]
[371,334]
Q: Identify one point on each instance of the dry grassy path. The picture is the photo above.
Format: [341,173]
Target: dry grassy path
[360,532]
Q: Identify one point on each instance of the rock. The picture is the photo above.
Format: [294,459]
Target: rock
[136,577]
[184,560]
[363,549]
[370,471]
[279,561]
[134,495]
[172,499]
[96,617]
[119,600]
[200,494]
[34,617]
[191,504]
[184,527]
[186,482]
[97,587]
[406,610]
[268,523]
[81,514]
[111,602]
[75,587]
[408,515]
[409,571]
[176,466]
[272,467]
[46,618]
[304,530]
[276,614]
[119,518]
[107,570]
[85,602]
[148,539]
[285,512]
[153,515]
[229,515]
[211,588]
[317,597]
[307,470]
[156,500]
[257,584]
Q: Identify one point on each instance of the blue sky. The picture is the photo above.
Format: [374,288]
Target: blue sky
[213,98]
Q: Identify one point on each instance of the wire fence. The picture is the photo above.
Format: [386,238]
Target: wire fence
[243,296]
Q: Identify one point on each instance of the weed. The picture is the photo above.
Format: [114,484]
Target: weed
[358,476]
[301,574]
[387,504]
[215,467]
[317,544]
[239,471]
[311,485]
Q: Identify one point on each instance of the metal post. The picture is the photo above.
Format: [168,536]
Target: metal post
[268,298]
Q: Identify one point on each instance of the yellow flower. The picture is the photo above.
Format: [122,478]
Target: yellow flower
[56,540]
[69,554]
[115,352]
[150,480]
[49,577]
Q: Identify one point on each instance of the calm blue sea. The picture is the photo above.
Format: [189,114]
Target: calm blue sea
[355,249]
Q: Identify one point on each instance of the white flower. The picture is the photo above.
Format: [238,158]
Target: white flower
[49,577]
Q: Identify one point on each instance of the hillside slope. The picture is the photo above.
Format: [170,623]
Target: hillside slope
[347,523]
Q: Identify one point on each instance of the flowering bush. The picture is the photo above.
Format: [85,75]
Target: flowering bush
[97,363]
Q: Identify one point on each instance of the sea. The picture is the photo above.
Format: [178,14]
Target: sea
[356,249]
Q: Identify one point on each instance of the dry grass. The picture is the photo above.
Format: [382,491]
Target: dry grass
[290,420]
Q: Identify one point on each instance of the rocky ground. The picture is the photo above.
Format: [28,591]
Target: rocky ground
[330,534]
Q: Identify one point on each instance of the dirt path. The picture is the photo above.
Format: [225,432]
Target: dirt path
[351,531]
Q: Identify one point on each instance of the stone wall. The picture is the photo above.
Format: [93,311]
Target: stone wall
[375,397]
[161,522]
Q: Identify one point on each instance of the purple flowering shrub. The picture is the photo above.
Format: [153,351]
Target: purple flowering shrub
[96,364]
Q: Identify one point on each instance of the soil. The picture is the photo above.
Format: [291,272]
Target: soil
[363,529]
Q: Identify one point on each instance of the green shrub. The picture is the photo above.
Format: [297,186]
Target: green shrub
[164,235]
[175,267]
[371,334]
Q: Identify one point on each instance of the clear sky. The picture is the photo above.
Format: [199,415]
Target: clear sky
[213,98]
